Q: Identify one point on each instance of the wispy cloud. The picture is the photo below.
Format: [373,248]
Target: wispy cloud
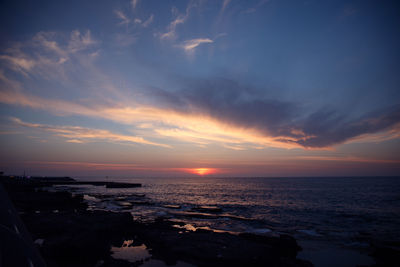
[282,122]
[179,19]
[124,20]
[59,58]
[19,63]
[225,4]
[134,3]
[76,141]
[190,45]
[80,41]
[213,111]
[47,40]
[209,116]
[76,134]
[147,22]
[130,33]
[170,34]
[43,55]
[392,133]
[346,159]
[187,127]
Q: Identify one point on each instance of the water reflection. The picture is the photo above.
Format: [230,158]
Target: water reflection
[130,253]
[140,255]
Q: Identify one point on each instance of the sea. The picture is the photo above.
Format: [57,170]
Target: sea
[336,220]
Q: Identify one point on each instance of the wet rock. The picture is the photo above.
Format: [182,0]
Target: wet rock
[77,237]
[212,209]
[386,255]
[172,206]
[50,181]
[207,248]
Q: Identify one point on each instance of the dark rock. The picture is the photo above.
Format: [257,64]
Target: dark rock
[207,209]
[385,255]
[172,206]
[50,181]
[77,237]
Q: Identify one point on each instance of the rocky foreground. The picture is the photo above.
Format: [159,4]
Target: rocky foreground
[67,234]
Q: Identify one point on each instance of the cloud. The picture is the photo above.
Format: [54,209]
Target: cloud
[28,62]
[19,63]
[132,29]
[46,40]
[330,128]
[67,61]
[47,53]
[134,4]
[179,19]
[124,20]
[204,111]
[220,111]
[170,34]
[76,134]
[225,3]
[80,41]
[346,159]
[183,125]
[147,22]
[243,107]
[76,141]
[190,45]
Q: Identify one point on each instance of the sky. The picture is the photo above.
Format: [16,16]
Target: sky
[147,88]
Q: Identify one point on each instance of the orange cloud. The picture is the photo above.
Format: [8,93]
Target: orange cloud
[188,127]
[76,134]
[168,124]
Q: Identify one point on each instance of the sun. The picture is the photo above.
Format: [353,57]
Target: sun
[202,171]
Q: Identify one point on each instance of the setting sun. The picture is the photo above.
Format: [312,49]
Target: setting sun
[203,171]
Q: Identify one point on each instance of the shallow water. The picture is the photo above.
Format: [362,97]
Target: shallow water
[140,253]
[345,212]
[130,253]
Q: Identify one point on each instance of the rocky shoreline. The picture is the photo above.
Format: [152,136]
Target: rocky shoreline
[50,181]
[67,234]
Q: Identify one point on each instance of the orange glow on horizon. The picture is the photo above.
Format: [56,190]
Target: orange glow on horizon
[203,171]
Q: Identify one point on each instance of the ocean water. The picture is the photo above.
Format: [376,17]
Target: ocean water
[342,213]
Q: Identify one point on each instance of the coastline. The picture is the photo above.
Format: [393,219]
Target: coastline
[67,233]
